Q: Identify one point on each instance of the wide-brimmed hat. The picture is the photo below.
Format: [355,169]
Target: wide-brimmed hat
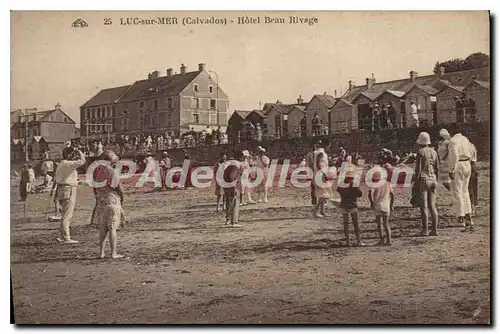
[424,139]
[444,134]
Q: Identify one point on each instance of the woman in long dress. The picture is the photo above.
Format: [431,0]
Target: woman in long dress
[263,163]
[443,158]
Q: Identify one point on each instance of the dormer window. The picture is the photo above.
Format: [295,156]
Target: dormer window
[195,87]
[210,89]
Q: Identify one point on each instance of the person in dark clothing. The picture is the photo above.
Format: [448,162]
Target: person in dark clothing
[25,179]
[349,206]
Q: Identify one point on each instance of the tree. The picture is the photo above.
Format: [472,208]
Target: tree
[474,60]
[477,60]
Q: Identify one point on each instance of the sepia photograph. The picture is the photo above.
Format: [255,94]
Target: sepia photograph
[250,167]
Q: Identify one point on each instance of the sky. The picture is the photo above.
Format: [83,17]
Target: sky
[53,62]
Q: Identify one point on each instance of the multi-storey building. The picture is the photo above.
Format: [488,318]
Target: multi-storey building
[48,129]
[174,104]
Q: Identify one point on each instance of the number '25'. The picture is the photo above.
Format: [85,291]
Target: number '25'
[107,21]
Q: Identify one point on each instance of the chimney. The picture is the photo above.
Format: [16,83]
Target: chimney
[413,75]
[58,106]
[278,102]
[183,69]
[335,93]
[169,72]
[155,74]
[201,67]
[300,100]
[351,85]
[441,72]
[370,81]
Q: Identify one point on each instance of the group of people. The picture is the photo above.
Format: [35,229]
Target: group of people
[454,166]
[240,193]
[156,141]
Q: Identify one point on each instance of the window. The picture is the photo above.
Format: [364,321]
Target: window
[124,124]
[277,124]
[196,103]
[210,89]
[65,119]
[155,104]
[196,119]
[154,121]
[195,87]
[108,111]
[170,103]
[93,112]
[87,114]
[141,122]
[113,111]
[213,103]
[141,104]
[422,103]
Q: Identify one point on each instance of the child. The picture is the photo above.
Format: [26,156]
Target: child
[321,191]
[349,205]
[218,191]
[380,202]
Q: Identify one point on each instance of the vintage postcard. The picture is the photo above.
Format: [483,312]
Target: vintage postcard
[280,167]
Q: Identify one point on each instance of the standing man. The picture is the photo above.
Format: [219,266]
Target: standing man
[263,163]
[232,173]
[443,152]
[461,152]
[473,183]
[426,173]
[414,113]
[310,160]
[65,185]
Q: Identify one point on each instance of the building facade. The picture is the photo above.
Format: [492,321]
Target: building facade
[442,98]
[48,129]
[174,104]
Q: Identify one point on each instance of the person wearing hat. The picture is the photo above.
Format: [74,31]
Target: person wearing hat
[109,214]
[443,152]
[65,187]
[461,151]
[381,201]
[263,163]
[349,195]
[232,173]
[426,175]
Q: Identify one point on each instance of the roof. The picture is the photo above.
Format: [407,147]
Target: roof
[42,116]
[280,107]
[396,93]
[426,81]
[162,86]
[326,99]
[106,96]
[242,113]
[428,89]
[295,106]
[485,84]
[259,112]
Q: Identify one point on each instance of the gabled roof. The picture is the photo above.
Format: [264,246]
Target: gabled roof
[341,102]
[279,107]
[456,88]
[241,113]
[106,96]
[428,89]
[432,80]
[42,116]
[295,106]
[162,86]
[396,93]
[328,100]
[259,112]
[485,84]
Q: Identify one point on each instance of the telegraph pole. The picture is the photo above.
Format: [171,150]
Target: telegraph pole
[26,117]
